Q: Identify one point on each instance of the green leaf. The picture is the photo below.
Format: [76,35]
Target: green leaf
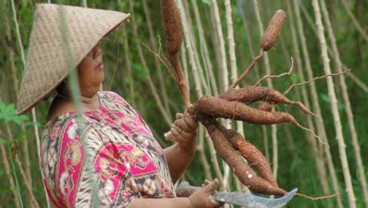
[325,98]
[9,114]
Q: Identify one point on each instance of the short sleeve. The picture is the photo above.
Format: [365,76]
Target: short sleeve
[82,169]
[62,162]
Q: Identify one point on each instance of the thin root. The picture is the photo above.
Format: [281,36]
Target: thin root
[313,133]
[162,58]
[303,108]
[316,198]
[314,79]
[276,76]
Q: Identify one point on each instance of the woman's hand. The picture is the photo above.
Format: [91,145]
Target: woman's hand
[199,199]
[202,197]
[181,154]
[184,131]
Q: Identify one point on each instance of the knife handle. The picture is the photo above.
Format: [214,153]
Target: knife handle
[185,190]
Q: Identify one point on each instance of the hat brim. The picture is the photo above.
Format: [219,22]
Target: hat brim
[47,61]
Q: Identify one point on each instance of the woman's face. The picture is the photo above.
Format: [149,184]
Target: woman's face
[91,72]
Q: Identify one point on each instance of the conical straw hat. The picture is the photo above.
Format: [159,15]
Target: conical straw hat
[61,37]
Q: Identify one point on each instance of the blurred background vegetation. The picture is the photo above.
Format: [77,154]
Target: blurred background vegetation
[135,72]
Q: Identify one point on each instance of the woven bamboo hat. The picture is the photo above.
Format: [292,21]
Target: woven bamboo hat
[60,34]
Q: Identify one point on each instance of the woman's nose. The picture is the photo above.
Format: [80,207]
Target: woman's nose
[96,52]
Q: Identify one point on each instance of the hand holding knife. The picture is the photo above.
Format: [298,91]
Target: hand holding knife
[246,200]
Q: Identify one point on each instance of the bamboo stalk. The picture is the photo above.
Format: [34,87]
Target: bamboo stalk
[354,78]
[201,131]
[357,81]
[257,77]
[233,69]
[249,35]
[232,55]
[335,112]
[84,3]
[192,54]
[34,119]
[32,200]
[204,52]
[202,155]
[223,70]
[128,66]
[203,81]
[151,84]
[356,23]
[348,109]
[316,107]
[231,42]
[24,143]
[269,83]
[320,168]
[233,74]
[194,60]
[190,50]
[28,185]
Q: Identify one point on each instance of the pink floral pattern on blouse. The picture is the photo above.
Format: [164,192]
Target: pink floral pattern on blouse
[103,158]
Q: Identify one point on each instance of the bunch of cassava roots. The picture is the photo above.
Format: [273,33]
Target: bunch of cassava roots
[233,104]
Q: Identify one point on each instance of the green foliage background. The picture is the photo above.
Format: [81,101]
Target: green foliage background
[297,168]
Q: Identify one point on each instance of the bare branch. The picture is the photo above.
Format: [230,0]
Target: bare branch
[276,76]
[314,79]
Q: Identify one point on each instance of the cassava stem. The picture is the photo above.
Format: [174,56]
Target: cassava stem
[174,60]
[237,164]
[267,41]
[218,107]
[250,153]
[250,94]
[173,30]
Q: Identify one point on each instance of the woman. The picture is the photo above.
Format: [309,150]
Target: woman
[104,155]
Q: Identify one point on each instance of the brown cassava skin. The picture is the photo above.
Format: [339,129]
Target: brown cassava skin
[237,164]
[250,94]
[273,30]
[174,60]
[251,154]
[173,27]
[265,106]
[173,30]
[218,107]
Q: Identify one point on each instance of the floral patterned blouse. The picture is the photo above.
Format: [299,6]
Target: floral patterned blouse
[102,158]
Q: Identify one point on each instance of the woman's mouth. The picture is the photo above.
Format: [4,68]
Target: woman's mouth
[99,66]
